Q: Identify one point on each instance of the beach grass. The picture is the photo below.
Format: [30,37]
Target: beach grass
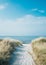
[7,46]
[39,51]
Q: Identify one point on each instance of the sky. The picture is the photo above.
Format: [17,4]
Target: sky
[23,17]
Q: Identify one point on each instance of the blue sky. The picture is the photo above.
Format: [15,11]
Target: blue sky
[22,17]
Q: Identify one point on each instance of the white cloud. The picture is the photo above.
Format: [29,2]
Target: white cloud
[38,10]
[31,19]
[3,6]
[41,11]
[35,9]
[27,25]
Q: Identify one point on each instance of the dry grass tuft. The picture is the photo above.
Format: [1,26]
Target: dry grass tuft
[39,51]
[7,46]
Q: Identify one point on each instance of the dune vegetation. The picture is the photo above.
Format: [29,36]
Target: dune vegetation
[39,51]
[7,46]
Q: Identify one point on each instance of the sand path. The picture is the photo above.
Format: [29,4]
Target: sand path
[21,56]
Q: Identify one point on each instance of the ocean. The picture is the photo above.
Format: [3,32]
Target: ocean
[25,39]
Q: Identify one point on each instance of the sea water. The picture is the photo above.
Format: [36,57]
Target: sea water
[25,39]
